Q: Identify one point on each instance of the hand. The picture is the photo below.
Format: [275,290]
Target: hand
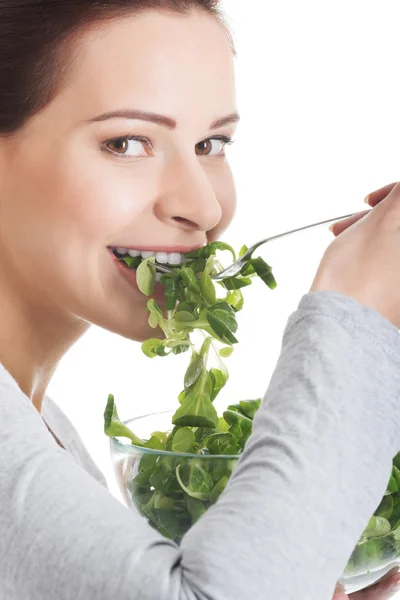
[363,261]
[372,200]
[385,588]
[382,590]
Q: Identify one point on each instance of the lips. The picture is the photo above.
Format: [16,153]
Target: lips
[130,277]
[169,255]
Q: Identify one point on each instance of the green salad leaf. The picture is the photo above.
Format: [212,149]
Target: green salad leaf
[146,276]
[173,492]
[114,427]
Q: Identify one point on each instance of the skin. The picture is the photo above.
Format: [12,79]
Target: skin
[387,199]
[380,591]
[64,199]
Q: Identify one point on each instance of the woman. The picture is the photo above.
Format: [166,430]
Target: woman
[114,115]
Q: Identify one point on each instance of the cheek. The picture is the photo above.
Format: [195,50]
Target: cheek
[225,191]
[84,200]
[103,202]
[68,208]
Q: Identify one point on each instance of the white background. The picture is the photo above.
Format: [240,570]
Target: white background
[318,95]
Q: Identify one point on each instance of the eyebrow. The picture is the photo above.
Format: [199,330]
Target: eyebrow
[163,120]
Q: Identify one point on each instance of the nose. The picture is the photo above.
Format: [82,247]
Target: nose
[188,200]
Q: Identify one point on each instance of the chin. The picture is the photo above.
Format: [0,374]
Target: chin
[123,315]
[136,329]
[140,335]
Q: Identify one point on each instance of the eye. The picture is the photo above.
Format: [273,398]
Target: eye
[129,146]
[213,146]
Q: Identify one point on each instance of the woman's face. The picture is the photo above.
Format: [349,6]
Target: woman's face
[73,185]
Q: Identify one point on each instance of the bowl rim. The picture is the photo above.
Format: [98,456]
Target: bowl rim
[134,449]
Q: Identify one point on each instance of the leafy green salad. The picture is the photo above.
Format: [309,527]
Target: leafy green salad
[172,492]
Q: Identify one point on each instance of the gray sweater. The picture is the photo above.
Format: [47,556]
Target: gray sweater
[313,472]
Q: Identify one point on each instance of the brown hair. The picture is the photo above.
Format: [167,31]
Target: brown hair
[36,38]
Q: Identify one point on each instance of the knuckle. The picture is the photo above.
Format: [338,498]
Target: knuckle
[390,207]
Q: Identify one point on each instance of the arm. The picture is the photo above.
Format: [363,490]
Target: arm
[312,473]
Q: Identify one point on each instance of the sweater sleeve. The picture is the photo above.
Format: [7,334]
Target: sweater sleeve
[312,473]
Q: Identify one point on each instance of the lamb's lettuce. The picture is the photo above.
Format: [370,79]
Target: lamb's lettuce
[174,492]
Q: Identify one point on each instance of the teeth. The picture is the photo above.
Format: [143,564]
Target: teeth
[175,258]
[172,258]
[162,257]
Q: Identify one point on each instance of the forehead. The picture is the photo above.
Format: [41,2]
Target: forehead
[156,61]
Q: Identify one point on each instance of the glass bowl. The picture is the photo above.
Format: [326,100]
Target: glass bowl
[167,507]
[151,482]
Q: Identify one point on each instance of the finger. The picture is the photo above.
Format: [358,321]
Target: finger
[390,574]
[340,226]
[375,197]
[379,591]
[383,590]
[339,593]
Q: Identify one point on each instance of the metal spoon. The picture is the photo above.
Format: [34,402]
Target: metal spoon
[235,267]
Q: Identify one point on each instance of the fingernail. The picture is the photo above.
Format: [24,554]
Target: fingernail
[331,227]
[366,199]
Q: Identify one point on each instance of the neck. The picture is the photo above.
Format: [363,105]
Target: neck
[33,339]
